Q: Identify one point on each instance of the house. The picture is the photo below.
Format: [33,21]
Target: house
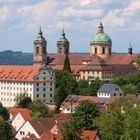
[39,126]
[109,92]
[89,135]
[72,101]
[19,116]
[36,82]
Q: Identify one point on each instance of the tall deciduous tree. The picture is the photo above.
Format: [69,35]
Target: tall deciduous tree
[69,132]
[5,131]
[39,110]
[84,115]
[23,101]
[67,64]
[4,112]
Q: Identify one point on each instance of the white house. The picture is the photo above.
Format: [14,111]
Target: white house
[37,82]
[36,127]
[19,117]
[110,91]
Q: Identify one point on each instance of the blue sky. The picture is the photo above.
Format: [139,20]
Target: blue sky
[20,21]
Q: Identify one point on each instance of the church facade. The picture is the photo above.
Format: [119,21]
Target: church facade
[99,63]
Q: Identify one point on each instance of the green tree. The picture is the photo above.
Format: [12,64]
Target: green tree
[68,131]
[59,96]
[84,115]
[67,64]
[5,131]
[94,86]
[23,101]
[4,112]
[132,124]
[65,84]
[39,110]
[83,87]
[137,61]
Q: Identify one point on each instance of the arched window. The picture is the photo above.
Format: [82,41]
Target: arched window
[95,50]
[37,50]
[103,50]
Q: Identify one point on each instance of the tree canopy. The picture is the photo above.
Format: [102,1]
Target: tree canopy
[67,64]
[84,115]
[4,112]
[5,131]
[39,110]
[23,101]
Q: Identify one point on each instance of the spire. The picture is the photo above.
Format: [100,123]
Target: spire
[40,32]
[101,28]
[63,33]
[40,36]
[130,51]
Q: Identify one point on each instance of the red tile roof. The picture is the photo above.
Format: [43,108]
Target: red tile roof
[23,111]
[121,58]
[48,136]
[30,137]
[18,73]
[56,61]
[88,135]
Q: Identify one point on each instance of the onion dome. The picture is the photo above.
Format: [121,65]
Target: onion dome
[63,39]
[101,38]
[40,37]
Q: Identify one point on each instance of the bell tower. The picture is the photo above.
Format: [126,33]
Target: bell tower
[63,44]
[40,54]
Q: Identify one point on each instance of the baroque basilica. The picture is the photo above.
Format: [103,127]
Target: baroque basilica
[99,63]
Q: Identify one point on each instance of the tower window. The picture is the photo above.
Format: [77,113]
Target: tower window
[37,50]
[95,50]
[103,51]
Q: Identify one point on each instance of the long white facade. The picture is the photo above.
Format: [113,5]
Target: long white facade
[41,87]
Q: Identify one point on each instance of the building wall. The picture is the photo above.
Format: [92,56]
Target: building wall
[18,121]
[41,88]
[25,130]
[88,74]
[99,50]
[10,90]
[44,86]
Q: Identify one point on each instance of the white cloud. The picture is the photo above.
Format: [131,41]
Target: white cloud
[132,8]
[113,19]
[37,14]
[73,12]
[5,13]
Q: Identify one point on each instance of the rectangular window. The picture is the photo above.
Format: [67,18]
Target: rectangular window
[37,89]
[50,89]
[44,84]
[37,95]
[44,95]
[44,89]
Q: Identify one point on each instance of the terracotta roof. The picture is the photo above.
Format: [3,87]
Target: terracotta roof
[56,61]
[88,135]
[49,136]
[18,73]
[121,58]
[75,59]
[23,111]
[41,125]
[30,137]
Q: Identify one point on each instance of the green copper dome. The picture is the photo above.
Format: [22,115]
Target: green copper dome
[40,37]
[63,38]
[101,38]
